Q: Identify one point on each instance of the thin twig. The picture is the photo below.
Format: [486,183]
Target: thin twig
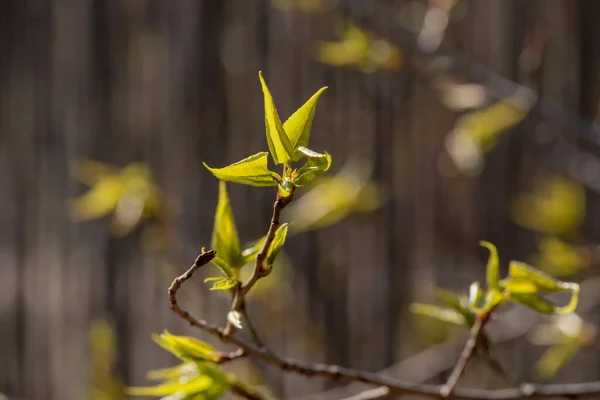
[259,270]
[371,394]
[342,374]
[466,355]
[234,355]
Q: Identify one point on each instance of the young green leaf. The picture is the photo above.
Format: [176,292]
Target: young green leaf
[279,143]
[493,266]
[278,241]
[251,171]
[476,297]
[556,357]
[250,249]
[186,348]
[225,238]
[454,302]
[190,380]
[518,271]
[223,266]
[316,164]
[221,283]
[298,125]
[442,314]
[493,298]
[544,306]
[189,389]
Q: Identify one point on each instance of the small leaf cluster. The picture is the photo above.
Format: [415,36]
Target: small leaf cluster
[523,285]
[197,377]
[287,143]
[129,195]
[360,49]
[565,334]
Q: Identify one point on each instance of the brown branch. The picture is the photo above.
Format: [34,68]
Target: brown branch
[342,374]
[259,269]
[377,393]
[466,355]
[234,355]
[508,326]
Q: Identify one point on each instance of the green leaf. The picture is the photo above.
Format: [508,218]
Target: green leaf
[453,301]
[518,271]
[251,171]
[279,143]
[442,314]
[476,297]
[221,283]
[298,125]
[184,369]
[225,238]
[186,348]
[556,357]
[187,381]
[492,299]
[223,266]
[493,266]
[519,286]
[252,248]
[316,164]
[544,306]
[278,241]
[193,387]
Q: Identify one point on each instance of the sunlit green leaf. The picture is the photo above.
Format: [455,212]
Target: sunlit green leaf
[442,314]
[331,199]
[278,242]
[298,125]
[185,348]
[251,171]
[223,266]
[544,306]
[454,302]
[560,258]
[519,271]
[447,297]
[557,207]
[360,49]
[225,237]
[279,143]
[195,381]
[316,164]
[185,369]
[129,195]
[556,357]
[221,283]
[519,286]
[493,266]
[493,298]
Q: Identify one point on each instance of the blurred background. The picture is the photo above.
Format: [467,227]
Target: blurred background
[449,122]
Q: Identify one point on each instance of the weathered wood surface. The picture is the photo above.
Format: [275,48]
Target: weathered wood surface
[174,84]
